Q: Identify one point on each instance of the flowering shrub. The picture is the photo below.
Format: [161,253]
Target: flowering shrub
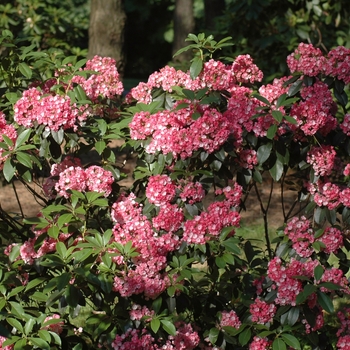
[162,264]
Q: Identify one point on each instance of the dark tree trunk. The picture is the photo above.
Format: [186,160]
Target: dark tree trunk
[183,25]
[106,30]
[212,9]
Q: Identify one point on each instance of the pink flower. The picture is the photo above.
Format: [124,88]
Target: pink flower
[332,238]
[56,327]
[262,312]
[259,343]
[338,64]
[343,343]
[301,234]
[8,347]
[105,82]
[230,319]
[322,159]
[9,131]
[54,111]
[73,178]
[306,59]
[160,190]
[99,180]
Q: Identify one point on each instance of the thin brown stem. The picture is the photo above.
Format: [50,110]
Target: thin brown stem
[17,198]
[264,212]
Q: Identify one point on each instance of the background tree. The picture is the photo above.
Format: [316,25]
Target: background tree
[106,30]
[184,23]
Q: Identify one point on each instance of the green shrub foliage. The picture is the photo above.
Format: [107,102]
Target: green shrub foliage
[161,263]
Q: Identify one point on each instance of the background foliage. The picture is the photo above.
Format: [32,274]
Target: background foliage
[266,29]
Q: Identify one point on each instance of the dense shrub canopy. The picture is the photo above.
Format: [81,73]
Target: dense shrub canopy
[162,263]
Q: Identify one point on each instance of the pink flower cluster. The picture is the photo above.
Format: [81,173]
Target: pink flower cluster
[344,318]
[259,343]
[315,112]
[247,158]
[169,218]
[28,252]
[319,322]
[306,59]
[322,159]
[147,275]
[138,312]
[288,287]
[9,131]
[326,194]
[215,75]
[262,312]
[135,339]
[345,125]
[178,132]
[210,223]
[8,347]
[56,327]
[301,233]
[191,192]
[338,64]
[310,61]
[52,110]
[160,190]
[230,319]
[71,177]
[104,80]
[343,343]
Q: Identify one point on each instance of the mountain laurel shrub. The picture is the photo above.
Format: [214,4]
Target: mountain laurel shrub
[162,264]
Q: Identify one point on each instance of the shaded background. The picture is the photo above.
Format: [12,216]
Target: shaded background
[145,33]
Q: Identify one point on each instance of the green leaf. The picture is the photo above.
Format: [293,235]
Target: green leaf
[25,70]
[245,336]
[168,327]
[295,88]
[53,231]
[220,262]
[61,249]
[325,302]
[291,341]
[196,67]
[15,324]
[279,344]
[100,146]
[277,170]
[213,335]
[264,152]
[277,115]
[45,335]
[8,170]
[271,132]
[12,97]
[23,137]
[20,344]
[29,326]
[261,98]
[155,324]
[293,316]
[290,119]
[40,343]
[231,245]
[318,272]
[24,159]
